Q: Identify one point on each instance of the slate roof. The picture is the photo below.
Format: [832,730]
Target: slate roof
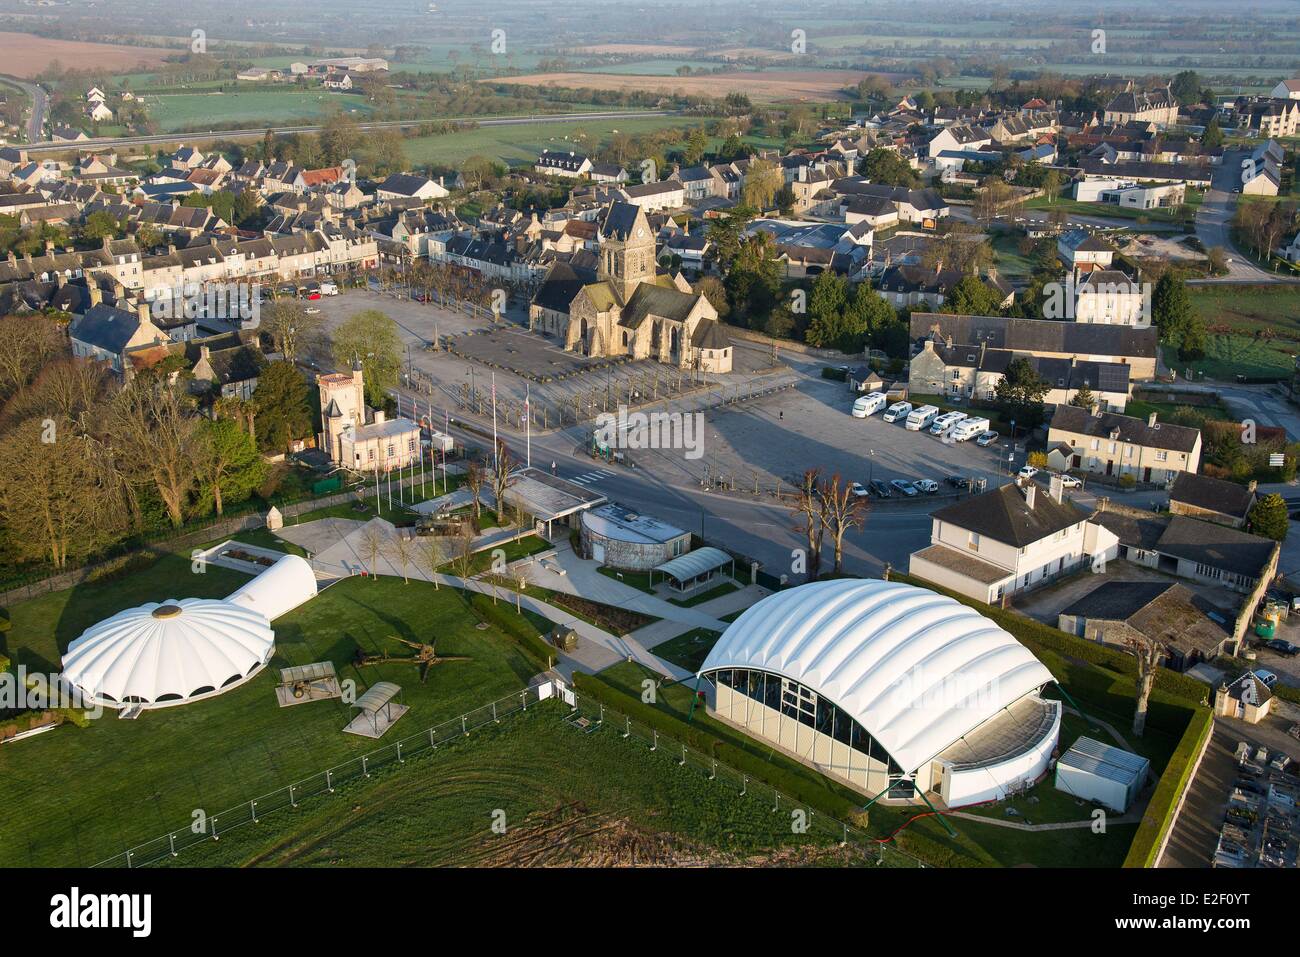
[1039,335]
[1004,515]
[106,327]
[1201,491]
[1179,438]
[650,298]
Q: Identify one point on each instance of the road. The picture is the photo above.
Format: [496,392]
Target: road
[1214,223]
[120,141]
[40,106]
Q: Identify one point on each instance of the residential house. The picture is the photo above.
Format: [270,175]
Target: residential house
[107,333]
[1287,90]
[1246,697]
[1153,106]
[998,543]
[409,186]
[667,194]
[568,165]
[1109,443]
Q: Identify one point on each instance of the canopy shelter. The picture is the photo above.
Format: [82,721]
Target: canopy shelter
[314,682]
[377,710]
[689,571]
[548,498]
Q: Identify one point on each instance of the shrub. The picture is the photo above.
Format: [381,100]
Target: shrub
[1158,817]
[518,628]
[1127,480]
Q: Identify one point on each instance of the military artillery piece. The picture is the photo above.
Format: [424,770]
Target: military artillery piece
[425,656]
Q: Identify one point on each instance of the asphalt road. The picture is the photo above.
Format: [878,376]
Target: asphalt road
[118,141]
[40,106]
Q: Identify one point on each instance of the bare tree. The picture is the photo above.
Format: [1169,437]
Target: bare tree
[26,344]
[402,553]
[292,329]
[372,546]
[462,553]
[501,479]
[1149,653]
[808,521]
[157,441]
[841,510]
[474,479]
[432,556]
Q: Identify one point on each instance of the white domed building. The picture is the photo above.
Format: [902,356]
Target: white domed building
[887,687]
[163,654]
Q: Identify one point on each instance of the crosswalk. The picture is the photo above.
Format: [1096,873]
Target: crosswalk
[590,478]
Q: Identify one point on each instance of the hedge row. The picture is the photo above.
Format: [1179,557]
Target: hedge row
[1159,813]
[518,628]
[1038,637]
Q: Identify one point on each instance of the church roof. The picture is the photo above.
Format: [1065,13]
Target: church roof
[653,299]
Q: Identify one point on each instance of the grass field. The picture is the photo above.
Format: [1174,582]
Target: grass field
[522,143]
[75,796]
[1254,330]
[1111,211]
[689,650]
[191,111]
[564,797]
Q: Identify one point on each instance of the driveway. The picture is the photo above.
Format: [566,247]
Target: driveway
[1214,222]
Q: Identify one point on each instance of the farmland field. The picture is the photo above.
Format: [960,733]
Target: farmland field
[25,55]
[765,85]
[175,112]
[521,143]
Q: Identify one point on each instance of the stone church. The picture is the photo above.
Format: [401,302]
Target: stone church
[625,307]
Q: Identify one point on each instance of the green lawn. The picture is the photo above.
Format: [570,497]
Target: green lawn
[1226,357]
[1075,208]
[568,798]
[75,796]
[174,112]
[638,580]
[689,650]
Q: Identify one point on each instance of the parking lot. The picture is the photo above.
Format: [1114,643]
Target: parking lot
[810,426]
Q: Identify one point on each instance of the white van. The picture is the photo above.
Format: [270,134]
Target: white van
[945,422]
[969,428]
[897,411]
[866,405]
[329,289]
[920,418]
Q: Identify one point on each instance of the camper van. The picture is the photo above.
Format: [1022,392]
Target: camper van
[968,428]
[945,422]
[866,405]
[921,418]
[897,411]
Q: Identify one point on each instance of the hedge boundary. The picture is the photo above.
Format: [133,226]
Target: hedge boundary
[1159,815]
[514,626]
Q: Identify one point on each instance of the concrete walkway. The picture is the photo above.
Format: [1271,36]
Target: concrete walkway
[346,551]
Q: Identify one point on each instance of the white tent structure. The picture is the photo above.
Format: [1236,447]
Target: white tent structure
[159,655]
[278,590]
[889,687]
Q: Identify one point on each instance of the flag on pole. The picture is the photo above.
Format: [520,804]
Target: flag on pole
[528,425]
[496,451]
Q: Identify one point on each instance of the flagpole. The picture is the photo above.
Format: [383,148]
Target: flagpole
[496,451]
[528,425]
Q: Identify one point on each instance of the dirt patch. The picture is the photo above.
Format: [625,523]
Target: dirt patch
[26,56]
[765,85]
[570,835]
[636,49]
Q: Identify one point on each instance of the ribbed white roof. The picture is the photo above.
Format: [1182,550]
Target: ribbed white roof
[278,590]
[169,648]
[916,669]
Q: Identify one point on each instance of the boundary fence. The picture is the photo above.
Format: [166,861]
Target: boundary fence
[212,827]
[800,813]
[599,717]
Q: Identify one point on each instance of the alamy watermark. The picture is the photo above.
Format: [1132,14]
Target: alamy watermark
[652,430]
[1125,303]
[230,301]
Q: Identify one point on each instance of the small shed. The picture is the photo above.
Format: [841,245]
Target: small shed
[1101,773]
[694,569]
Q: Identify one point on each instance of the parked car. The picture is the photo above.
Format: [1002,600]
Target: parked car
[312,311]
[904,487]
[957,481]
[1027,471]
[928,486]
[1068,481]
[1267,677]
[1282,647]
[859,490]
[313,295]
[880,488]
[986,439]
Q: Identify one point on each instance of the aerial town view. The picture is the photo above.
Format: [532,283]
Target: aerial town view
[715,435]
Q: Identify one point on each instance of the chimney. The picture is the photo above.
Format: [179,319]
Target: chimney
[1056,488]
[105,246]
[49,246]
[1251,486]
[1031,493]
[60,279]
[96,294]
[379,417]
[204,351]
[947,341]
[142,310]
[1151,421]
